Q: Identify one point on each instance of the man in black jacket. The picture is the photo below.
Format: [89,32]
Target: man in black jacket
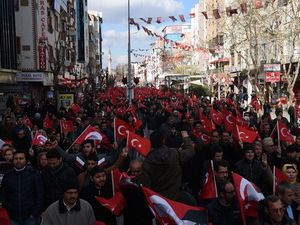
[22,192]
[54,176]
[100,186]
[225,210]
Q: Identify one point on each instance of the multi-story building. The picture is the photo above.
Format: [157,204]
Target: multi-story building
[8,50]
[95,46]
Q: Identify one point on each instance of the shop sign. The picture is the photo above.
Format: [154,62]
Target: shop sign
[30,77]
[272,73]
[65,100]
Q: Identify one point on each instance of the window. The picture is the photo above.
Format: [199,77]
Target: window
[56,23]
[17,6]
[25,47]
[18,45]
[24,2]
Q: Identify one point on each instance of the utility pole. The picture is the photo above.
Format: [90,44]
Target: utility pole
[129,78]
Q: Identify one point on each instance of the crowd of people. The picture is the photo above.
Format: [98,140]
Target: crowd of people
[56,183]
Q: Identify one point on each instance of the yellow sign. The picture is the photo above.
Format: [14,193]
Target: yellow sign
[65,100]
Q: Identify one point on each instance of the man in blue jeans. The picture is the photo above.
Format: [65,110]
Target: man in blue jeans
[21,192]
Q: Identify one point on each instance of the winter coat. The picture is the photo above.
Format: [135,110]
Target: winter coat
[162,170]
[54,180]
[101,213]
[22,193]
[57,214]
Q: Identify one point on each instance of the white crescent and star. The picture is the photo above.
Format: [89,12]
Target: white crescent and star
[120,128]
[283,133]
[134,141]
[228,119]
[243,135]
[94,136]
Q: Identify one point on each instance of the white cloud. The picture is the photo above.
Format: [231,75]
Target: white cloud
[116,10]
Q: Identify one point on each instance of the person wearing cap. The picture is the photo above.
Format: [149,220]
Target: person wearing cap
[69,209]
[253,170]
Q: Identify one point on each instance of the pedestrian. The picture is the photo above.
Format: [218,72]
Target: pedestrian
[69,209]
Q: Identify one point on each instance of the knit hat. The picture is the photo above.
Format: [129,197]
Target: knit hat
[70,184]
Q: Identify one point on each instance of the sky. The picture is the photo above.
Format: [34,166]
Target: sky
[115,23]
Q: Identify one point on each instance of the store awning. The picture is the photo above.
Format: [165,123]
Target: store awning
[7,76]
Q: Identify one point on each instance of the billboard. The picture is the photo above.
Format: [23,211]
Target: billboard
[272,72]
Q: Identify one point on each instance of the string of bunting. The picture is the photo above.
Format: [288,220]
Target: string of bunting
[160,19]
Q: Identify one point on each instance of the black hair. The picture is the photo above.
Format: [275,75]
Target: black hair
[270,199]
[156,139]
[221,186]
[88,141]
[221,163]
[21,152]
[215,148]
[96,170]
[283,186]
[53,153]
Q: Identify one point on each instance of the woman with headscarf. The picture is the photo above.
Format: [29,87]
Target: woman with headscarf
[291,171]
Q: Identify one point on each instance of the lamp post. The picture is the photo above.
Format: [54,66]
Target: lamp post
[129,78]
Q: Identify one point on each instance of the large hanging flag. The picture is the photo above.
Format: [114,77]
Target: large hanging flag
[174,213]
[140,144]
[248,196]
[209,188]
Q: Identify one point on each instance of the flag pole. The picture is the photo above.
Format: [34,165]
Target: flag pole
[112,182]
[115,135]
[278,135]
[274,180]
[237,128]
[77,138]
[213,172]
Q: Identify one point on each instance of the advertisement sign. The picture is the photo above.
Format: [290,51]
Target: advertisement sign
[42,34]
[65,99]
[272,73]
[42,57]
[30,77]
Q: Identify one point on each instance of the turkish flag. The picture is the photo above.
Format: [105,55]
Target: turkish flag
[229,120]
[205,138]
[75,108]
[284,133]
[209,189]
[207,124]
[278,177]
[116,204]
[216,116]
[39,139]
[170,212]
[66,126]
[121,128]
[244,134]
[137,123]
[140,144]
[27,122]
[4,218]
[248,196]
[115,179]
[89,133]
[47,122]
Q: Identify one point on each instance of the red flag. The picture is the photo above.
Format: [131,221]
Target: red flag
[115,204]
[39,139]
[75,108]
[216,116]
[297,112]
[48,122]
[170,212]
[207,123]
[181,17]
[248,196]
[229,120]
[99,223]
[205,138]
[209,189]
[27,121]
[4,219]
[137,122]
[115,179]
[278,177]
[244,134]
[284,133]
[140,144]
[66,126]
[121,128]
[89,133]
